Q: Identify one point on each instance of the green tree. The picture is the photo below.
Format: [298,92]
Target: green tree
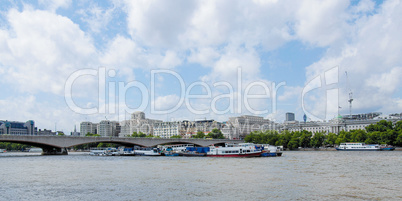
[398,141]
[216,134]
[101,145]
[373,137]
[305,138]
[200,135]
[358,135]
[317,140]
[284,139]
[176,136]
[13,146]
[92,135]
[250,137]
[343,136]
[141,134]
[382,126]
[270,137]
[293,143]
[398,126]
[330,139]
[295,140]
[135,134]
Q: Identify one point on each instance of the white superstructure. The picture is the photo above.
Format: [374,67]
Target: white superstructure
[356,146]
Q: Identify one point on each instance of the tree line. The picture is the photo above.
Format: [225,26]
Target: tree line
[14,146]
[382,132]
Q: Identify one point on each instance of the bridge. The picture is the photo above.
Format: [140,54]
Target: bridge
[57,145]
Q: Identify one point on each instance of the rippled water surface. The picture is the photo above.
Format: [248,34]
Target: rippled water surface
[304,175]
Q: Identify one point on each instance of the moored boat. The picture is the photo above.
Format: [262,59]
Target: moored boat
[148,152]
[385,147]
[170,152]
[234,150]
[357,146]
[96,152]
[195,151]
[270,150]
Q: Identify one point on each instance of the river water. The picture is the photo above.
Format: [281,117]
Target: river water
[303,175]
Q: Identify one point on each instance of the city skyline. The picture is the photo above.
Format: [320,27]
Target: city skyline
[58,59]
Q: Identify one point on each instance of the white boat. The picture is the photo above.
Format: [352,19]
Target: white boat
[97,152]
[234,150]
[3,150]
[104,152]
[149,152]
[35,150]
[112,152]
[357,146]
[271,150]
[175,147]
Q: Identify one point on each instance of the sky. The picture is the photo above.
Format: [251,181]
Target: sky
[64,61]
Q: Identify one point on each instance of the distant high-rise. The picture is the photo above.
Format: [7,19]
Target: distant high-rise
[290,116]
[88,127]
[18,128]
[137,123]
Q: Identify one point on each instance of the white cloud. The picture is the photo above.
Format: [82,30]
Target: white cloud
[125,55]
[96,17]
[322,23]
[42,49]
[290,92]
[204,56]
[371,56]
[364,6]
[226,68]
[53,5]
[158,23]
[387,82]
[170,60]
[166,102]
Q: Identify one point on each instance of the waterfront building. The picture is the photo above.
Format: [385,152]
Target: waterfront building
[190,128]
[186,129]
[341,123]
[239,127]
[18,128]
[108,128]
[137,123]
[46,132]
[167,129]
[88,127]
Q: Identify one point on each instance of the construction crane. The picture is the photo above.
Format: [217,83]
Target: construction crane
[350,94]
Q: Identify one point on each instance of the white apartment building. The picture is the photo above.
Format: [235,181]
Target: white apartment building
[137,123]
[334,126]
[239,127]
[167,129]
[104,128]
[88,127]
